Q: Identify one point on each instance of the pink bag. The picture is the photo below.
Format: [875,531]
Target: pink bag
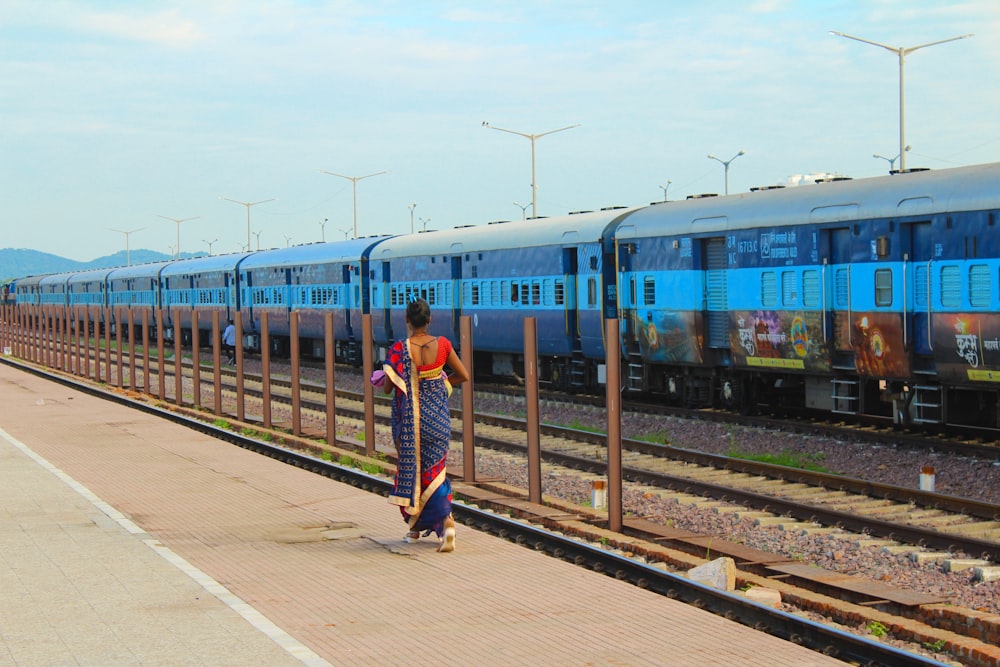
[378,379]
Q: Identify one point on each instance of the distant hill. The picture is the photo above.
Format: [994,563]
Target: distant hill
[20,262]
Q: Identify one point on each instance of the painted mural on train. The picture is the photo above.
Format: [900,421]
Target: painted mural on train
[778,339]
[967,346]
[669,336]
[877,341]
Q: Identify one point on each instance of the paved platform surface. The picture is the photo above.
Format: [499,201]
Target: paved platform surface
[129,540]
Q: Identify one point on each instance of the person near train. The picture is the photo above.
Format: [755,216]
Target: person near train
[229,342]
[421,425]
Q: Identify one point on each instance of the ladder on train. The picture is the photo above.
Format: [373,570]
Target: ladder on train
[577,371]
[928,404]
[846,396]
[634,375]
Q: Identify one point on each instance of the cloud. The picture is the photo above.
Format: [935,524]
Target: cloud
[167,28]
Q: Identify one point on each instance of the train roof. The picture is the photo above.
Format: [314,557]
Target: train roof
[56,278]
[899,195]
[148,270]
[209,264]
[313,253]
[29,281]
[560,231]
[87,276]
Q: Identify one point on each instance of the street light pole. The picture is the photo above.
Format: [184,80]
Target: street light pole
[322,230]
[665,188]
[178,221]
[531,137]
[725,163]
[210,244]
[128,260]
[892,161]
[248,204]
[354,184]
[523,207]
[411,207]
[902,52]
[424,222]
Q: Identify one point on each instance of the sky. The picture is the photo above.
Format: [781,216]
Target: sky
[119,118]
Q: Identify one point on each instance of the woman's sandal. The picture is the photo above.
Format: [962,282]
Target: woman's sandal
[448,543]
[412,536]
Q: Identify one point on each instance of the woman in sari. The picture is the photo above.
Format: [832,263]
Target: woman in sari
[421,426]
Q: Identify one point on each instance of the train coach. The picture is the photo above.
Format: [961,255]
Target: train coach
[870,297]
[549,269]
[135,289]
[311,280]
[202,285]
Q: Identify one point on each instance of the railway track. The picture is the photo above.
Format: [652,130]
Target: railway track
[922,519]
[792,498]
[509,432]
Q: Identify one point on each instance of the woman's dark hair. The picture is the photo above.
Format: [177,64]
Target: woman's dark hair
[418,313]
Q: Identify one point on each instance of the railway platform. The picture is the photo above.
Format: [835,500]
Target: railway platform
[126,539]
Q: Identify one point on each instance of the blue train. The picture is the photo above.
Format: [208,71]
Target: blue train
[862,297]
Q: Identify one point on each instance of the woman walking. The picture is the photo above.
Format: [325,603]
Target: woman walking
[421,425]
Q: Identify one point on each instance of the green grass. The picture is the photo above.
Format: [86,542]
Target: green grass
[786,458]
[877,629]
[577,425]
[658,437]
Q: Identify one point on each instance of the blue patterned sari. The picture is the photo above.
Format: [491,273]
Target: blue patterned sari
[421,430]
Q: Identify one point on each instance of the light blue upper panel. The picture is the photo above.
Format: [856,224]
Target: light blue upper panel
[314,253]
[567,230]
[919,193]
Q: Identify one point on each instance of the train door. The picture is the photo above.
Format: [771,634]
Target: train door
[917,270]
[229,290]
[247,303]
[840,259]
[716,295]
[347,302]
[385,304]
[626,292]
[456,297]
[568,296]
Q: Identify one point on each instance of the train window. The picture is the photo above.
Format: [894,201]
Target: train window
[514,293]
[536,293]
[768,289]
[560,293]
[789,288]
[648,291]
[810,288]
[495,293]
[475,295]
[883,287]
[979,285]
[951,287]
